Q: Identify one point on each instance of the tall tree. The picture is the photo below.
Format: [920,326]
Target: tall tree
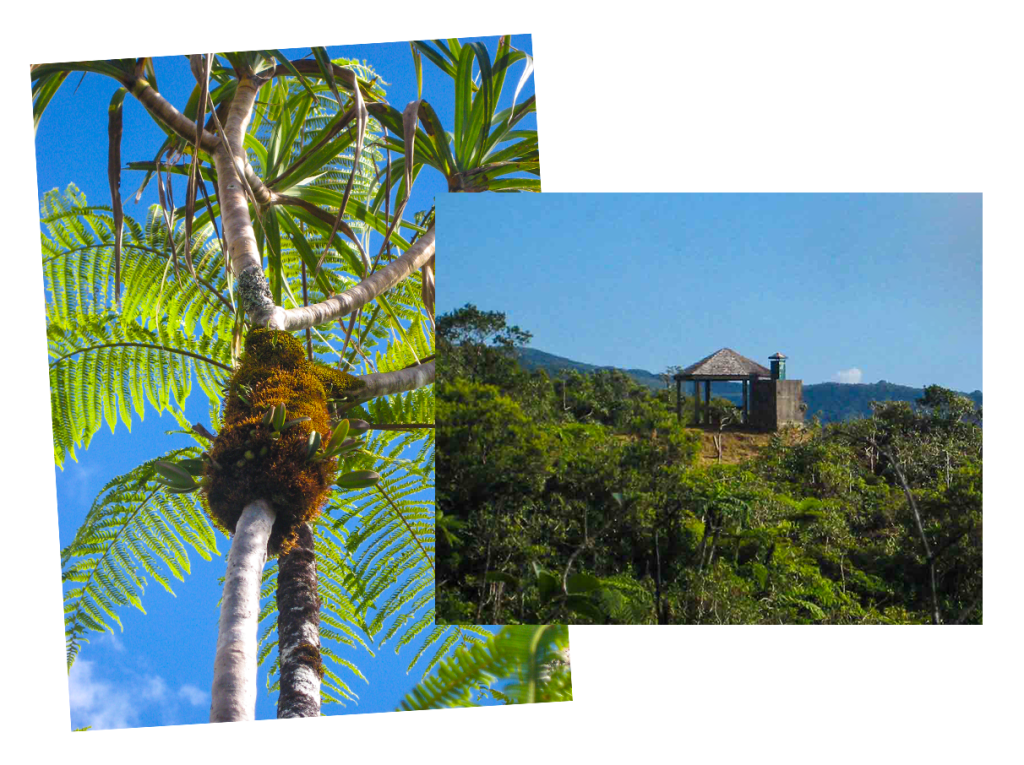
[136,310]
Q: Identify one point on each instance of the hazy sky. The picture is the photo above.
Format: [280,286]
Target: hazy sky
[159,670]
[851,287]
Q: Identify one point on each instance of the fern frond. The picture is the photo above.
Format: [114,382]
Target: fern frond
[109,359]
[626,601]
[134,529]
[529,659]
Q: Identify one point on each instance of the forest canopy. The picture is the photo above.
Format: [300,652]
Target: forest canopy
[582,499]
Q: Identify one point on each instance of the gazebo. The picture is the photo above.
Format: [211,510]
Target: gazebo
[722,365]
[770,401]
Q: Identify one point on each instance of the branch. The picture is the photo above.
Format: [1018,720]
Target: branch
[234,174]
[338,305]
[384,383]
[177,122]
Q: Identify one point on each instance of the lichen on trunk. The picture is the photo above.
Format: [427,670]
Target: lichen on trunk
[298,622]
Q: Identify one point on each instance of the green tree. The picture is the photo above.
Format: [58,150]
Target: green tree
[923,452]
[136,310]
[493,461]
[479,346]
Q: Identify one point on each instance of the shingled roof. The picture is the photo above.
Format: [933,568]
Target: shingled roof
[725,363]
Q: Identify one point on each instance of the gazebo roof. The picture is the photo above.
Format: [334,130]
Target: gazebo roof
[725,363]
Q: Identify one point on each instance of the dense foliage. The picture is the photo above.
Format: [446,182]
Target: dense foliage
[582,499]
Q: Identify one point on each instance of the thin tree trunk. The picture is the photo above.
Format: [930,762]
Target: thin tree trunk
[234,668]
[234,208]
[235,665]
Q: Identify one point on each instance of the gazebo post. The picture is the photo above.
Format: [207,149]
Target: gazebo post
[746,401]
[707,401]
[696,401]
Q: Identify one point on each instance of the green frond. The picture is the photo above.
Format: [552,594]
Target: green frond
[107,359]
[133,530]
[393,539]
[527,659]
[99,365]
[625,600]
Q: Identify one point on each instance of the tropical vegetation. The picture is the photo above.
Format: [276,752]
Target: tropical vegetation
[314,346]
[584,499]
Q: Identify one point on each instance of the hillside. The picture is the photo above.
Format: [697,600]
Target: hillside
[831,402]
[737,444]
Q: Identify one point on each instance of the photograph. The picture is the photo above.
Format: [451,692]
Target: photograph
[710,409]
[238,260]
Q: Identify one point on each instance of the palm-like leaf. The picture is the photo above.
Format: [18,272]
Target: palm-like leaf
[484,145]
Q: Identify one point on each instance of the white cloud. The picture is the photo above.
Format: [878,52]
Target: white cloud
[852,375]
[193,695]
[101,704]
[97,703]
[154,688]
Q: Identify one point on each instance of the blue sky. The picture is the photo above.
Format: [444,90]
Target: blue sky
[851,287]
[159,670]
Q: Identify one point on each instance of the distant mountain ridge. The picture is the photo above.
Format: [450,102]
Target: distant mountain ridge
[830,401]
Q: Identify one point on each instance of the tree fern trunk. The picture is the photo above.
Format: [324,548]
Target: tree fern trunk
[298,630]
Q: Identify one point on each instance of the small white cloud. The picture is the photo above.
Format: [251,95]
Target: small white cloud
[193,695]
[154,688]
[78,481]
[112,640]
[852,375]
